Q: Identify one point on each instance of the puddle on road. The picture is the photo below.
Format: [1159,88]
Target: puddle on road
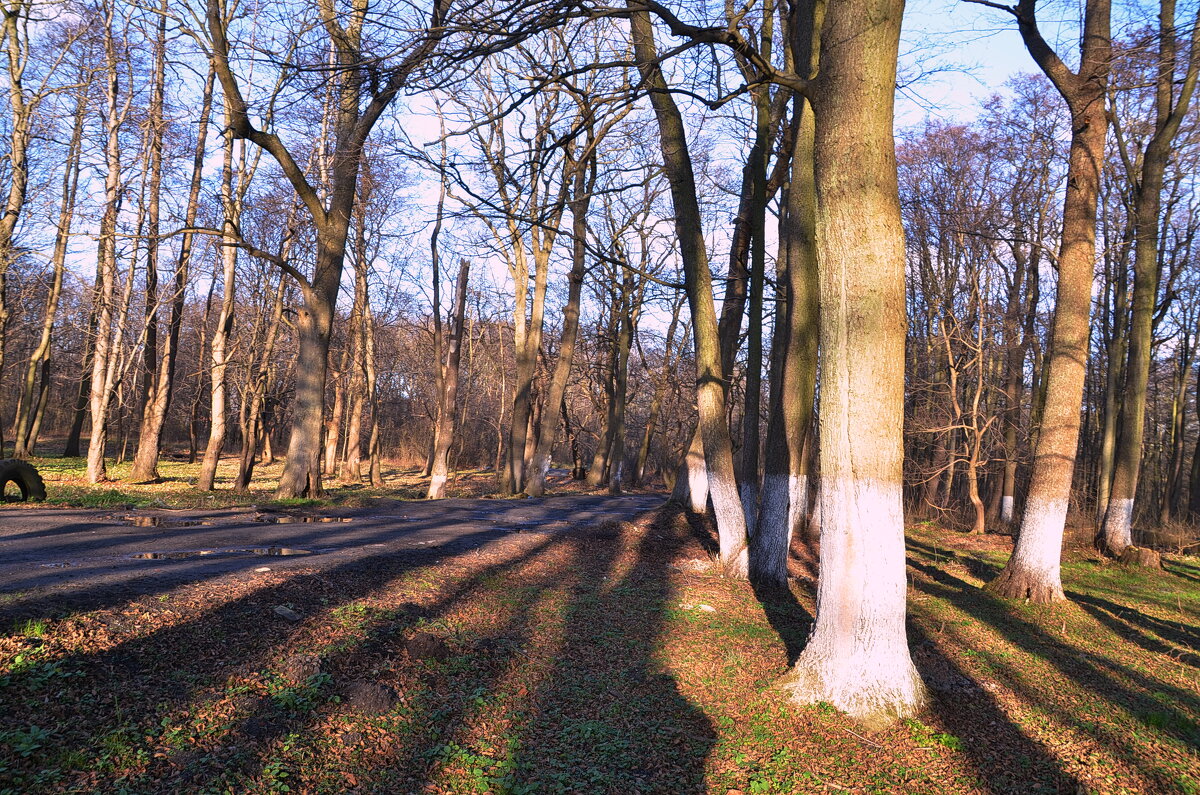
[161,521]
[200,553]
[283,518]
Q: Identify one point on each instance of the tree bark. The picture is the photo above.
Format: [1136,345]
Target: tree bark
[857,658]
[35,392]
[581,196]
[1170,111]
[254,428]
[1033,571]
[106,254]
[757,164]
[219,361]
[444,433]
[785,480]
[333,425]
[161,364]
[710,382]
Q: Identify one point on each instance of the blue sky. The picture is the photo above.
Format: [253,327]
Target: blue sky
[964,53]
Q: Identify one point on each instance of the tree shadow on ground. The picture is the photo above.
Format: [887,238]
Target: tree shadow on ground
[1151,633]
[547,673]
[99,570]
[790,620]
[1005,759]
[1181,569]
[183,665]
[609,717]
[1093,672]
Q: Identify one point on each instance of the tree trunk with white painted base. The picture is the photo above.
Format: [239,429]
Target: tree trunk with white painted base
[444,432]
[857,658]
[1170,111]
[710,387]
[1033,570]
[691,484]
[785,483]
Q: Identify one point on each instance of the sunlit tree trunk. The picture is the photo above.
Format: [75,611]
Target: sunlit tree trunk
[160,364]
[219,360]
[106,256]
[1033,571]
[35,388]
[857,658]
[710,387]
[1115,350]
[373,443]
[444,433]
[333,425]
[253,428]
[1170,111]
[582,182]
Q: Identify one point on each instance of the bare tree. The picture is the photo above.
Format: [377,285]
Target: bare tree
[1170,108]
[857,657]
[710,389]
[1033,571]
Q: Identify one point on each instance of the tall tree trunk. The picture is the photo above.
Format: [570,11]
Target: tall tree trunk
[757,164]
[351,468]
[691,481]
[581,197]
[198,397]
[435,261]
[219,360]
[106,255]
[444,433]
[34,393]
[373,444]
[710,386]
[1194,473]
[1014,366]
[254,428]
[357,103]
[14,27]
[1169,114]
[630,309]
[162,364]
[598,471]
[333,426]
[527,357]
[1171,496]
[84,388]
[1115,350]
[857,658]
[785,481]
[1033,571]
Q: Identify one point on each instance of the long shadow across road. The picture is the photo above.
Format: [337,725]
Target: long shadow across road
[88,559]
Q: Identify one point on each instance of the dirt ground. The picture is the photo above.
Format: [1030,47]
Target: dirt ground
[579,644]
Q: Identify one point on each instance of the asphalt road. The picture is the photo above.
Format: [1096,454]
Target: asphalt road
[46,551]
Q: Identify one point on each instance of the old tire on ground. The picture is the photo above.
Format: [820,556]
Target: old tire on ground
[24,477]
